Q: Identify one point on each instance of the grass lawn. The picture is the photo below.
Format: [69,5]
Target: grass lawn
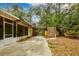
[63,46]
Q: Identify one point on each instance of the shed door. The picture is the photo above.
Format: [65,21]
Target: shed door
[51,31]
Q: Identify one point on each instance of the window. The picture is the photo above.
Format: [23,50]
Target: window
[22,31]
[19,30]
[8,30]
[26,30]
[15,29]
[1,28]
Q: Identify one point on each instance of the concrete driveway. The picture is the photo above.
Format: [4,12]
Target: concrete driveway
[35,46]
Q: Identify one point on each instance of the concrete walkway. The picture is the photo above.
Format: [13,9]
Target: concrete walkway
[35,46]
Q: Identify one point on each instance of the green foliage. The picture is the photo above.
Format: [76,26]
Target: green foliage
[17,11]
[66,23]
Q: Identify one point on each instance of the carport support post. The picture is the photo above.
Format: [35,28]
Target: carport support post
[29,31]
[3,28]
[16,30]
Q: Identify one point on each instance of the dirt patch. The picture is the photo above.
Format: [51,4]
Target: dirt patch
[62,46]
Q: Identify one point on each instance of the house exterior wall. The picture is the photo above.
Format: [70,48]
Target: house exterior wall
[9,40]
[14,36]
[29,31]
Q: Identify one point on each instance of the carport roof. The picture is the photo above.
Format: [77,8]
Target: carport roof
[11,17]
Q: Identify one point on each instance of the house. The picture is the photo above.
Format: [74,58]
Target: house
[13,28]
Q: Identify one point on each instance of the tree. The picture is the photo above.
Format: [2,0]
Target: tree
[17,11]
[49,14]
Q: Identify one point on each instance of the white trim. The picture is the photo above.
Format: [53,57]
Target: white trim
[12,29]
[16,30]
[9,22]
